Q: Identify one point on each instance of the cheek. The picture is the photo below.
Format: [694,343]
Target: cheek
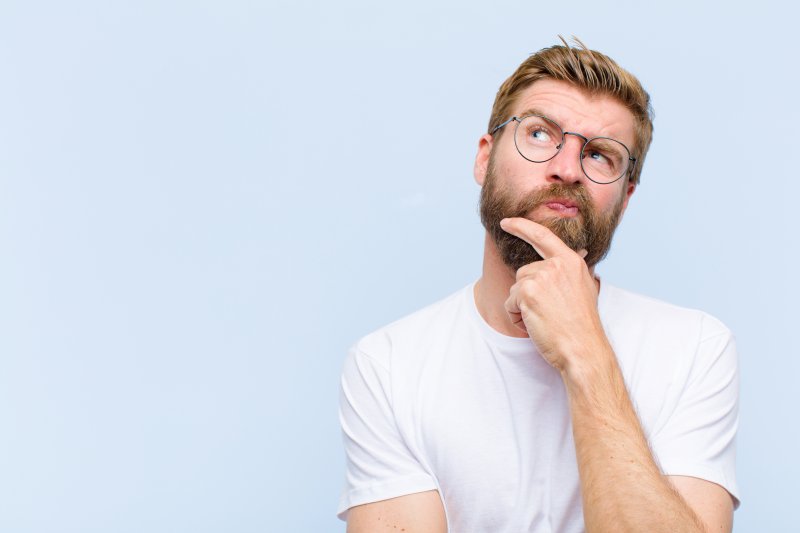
[607,197]
[519,174]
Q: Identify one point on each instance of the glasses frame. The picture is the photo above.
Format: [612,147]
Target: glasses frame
[586,141]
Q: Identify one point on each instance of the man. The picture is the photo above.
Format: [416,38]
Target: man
[541,399]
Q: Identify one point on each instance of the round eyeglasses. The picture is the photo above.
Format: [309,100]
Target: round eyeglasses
[539,139]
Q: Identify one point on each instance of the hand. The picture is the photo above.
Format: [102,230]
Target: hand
[555,300]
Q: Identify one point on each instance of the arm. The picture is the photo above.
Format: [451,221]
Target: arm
[623,489]
[414,513]
[712,503]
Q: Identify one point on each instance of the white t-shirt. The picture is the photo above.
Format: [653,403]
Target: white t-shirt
[440,400]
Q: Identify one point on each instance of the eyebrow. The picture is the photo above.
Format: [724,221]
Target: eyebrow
[535,111]
[607,143]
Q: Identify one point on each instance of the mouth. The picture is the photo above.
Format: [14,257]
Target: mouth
[565,208]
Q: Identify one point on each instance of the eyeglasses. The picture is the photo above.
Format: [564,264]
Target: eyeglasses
[539,139]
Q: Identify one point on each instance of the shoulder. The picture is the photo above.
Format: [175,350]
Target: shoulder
[663,346]
[624,308]
[411,334]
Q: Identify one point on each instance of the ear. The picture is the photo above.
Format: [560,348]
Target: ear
[482,158]
[630,188]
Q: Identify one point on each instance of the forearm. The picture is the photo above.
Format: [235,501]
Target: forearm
[623,488]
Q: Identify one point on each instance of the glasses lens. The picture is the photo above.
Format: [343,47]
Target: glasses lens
[605,160]
[538,138]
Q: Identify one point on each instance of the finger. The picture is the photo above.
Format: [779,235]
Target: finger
[511,306]
[541,238]
[514,312]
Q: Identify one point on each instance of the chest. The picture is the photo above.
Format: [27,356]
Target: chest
[498,438]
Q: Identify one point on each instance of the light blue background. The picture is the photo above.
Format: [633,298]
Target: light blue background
[203,204]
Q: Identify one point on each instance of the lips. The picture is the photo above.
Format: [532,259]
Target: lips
[562,206]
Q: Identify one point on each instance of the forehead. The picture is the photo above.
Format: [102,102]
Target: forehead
[578,111]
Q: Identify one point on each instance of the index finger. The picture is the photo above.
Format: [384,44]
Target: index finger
[544,241]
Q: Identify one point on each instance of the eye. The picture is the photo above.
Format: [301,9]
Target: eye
[604,153]
[537,138]
[598,157]
[540,134]
[604,160]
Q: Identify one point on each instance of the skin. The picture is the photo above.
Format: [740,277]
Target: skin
[554,302]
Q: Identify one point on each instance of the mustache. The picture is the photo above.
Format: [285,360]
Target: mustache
[575,193]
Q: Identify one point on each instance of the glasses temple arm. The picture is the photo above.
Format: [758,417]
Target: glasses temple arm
[503,124]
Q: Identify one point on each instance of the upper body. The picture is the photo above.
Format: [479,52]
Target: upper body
[441,401]
[562,158]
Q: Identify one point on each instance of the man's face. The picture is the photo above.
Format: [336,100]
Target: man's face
[555,193]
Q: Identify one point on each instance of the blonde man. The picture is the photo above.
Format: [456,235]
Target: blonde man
[540,399]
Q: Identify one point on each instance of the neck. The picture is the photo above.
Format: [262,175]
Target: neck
[492,289]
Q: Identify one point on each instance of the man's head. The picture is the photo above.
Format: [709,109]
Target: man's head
[585,95]
[593,73]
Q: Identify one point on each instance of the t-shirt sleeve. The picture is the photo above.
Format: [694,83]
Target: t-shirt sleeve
[699,439]
[379,464]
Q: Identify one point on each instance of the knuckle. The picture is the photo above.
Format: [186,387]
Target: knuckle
[576,262]
[528,286]
[524,271]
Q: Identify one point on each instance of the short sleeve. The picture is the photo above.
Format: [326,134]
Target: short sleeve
[699,439]
[379,464]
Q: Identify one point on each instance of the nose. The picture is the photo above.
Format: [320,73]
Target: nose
[565,167]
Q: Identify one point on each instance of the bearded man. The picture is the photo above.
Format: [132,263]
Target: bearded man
[539,399]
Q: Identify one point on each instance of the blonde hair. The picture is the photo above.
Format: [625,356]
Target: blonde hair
[590,71]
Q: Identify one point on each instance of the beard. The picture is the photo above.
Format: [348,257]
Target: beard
[588,230]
